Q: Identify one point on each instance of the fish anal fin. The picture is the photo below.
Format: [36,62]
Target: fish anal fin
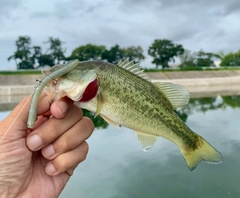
[109,121]
[132,67]
[146,140]
[204,152]
[178,95]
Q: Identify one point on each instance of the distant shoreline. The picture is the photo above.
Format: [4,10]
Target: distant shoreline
[199,83]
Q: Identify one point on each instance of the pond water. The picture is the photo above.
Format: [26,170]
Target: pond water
[116,167]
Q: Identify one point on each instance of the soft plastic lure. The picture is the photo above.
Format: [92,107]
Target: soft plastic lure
[32,115]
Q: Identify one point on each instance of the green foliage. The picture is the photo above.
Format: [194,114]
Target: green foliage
[37,53]
[98,121]
[21,72]
[188,59]
[56,50]
[114,55]
[22,55]
[164,51]
[88,52]
[231,59]
[133,53]
[26,57]
[205,59]
[45,59]
[197,59]
[205,104]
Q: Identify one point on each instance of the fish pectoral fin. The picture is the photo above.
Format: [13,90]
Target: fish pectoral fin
[109,121]
[99,104]
[177,94]
[146,140]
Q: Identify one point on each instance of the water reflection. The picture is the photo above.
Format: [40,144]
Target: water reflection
[206,104]
[195,105]
[116,167]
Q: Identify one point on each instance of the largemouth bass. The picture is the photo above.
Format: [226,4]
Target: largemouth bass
[123,96]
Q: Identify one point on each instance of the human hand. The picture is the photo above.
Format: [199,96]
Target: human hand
[39,163]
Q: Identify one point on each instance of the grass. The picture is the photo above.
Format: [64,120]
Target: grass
[20,72]
[191,69]
[28,72]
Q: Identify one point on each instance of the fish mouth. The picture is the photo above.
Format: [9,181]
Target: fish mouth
[79,88]
[77,91]
[90,91]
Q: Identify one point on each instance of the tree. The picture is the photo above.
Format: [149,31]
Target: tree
[133,53]
[197,59]
[56,50]
[114,55]
[231,59]
[37,53]
[205,59]
[164,51]
[45,59]
[88,52]
[22,55]
[188,59]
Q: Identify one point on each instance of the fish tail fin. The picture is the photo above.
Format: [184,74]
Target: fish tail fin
[203,151]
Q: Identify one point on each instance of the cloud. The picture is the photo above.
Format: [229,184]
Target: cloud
[200,24]
[76,8]
[41,15]
[7,7]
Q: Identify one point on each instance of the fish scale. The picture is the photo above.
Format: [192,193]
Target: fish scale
[126,97]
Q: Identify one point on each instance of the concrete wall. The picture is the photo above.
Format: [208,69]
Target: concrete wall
[6,80]
[16,90]
[195,81]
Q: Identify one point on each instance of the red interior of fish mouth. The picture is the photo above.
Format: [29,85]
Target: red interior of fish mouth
[90,91]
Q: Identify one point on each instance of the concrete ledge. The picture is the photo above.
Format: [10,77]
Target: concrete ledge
[204,81]
[198,87]
[205,87]
[16,90]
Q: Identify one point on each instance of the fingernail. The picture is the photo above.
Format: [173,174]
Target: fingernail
[48,151]
[34,142]
[50,169]
[62,107]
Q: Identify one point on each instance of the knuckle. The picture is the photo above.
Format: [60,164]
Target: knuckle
[61,165]
[77,111]
[88,124]
[65,143]
[50,132]
[84,148]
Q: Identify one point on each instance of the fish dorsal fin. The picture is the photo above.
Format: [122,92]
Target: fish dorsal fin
[132,67]
[178,95]
[146,140]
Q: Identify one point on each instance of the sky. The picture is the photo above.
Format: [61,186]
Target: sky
[212,26]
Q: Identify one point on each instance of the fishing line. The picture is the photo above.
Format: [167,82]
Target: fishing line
[4,135]
[35,87]
[47,79]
